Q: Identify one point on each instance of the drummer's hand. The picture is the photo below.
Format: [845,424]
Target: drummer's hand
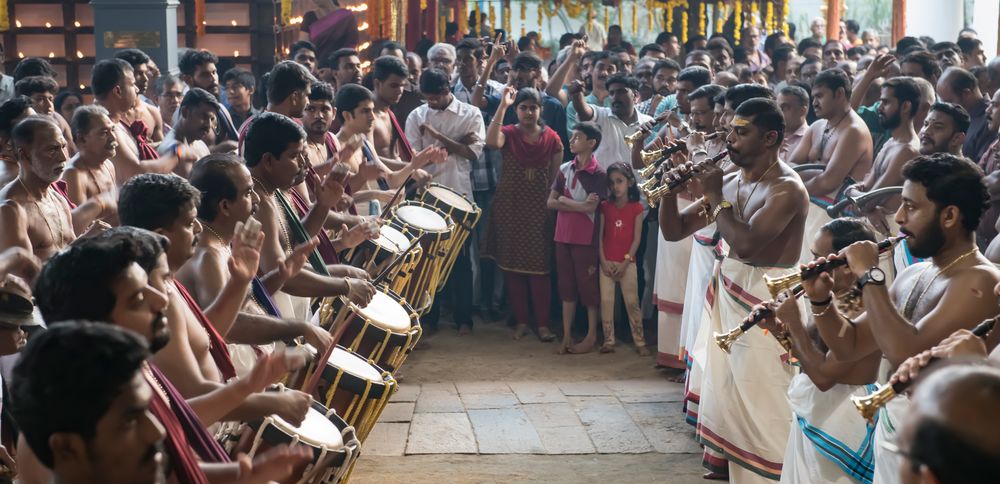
[353,236]
[268,370]
[247,241]
[291,405]
[329,192]
[422,177]
[318,337]
[295,261]
[274,465]
[360,292]
[910,368]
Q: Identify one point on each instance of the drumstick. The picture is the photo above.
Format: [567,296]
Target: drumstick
[402,186]
[395,262]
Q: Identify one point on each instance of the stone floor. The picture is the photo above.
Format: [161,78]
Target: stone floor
[466,411]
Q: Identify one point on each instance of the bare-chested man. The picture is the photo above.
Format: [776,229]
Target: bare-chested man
[389,78]
[839,140]
[897,106]
[141,111]
[196,123]
[760,211]
[943,199]
[114,88]
[42,90]
[90,174]
[32,215]
[227,204]
[195,358]
[11,112]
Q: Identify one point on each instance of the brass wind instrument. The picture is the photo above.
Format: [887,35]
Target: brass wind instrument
[644,128]
[777,284]
[726,340]
[654,190]
[870,404]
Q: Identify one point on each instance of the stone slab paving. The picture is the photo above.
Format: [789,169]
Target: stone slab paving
[555,418]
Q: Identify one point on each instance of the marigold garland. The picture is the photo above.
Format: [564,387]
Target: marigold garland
[702,17]
[769,20]
[737,20]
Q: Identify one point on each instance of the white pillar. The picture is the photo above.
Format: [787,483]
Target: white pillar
[939,19]
[984,20]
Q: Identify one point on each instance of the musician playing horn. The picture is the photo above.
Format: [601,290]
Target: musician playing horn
[942,201]
[760,211]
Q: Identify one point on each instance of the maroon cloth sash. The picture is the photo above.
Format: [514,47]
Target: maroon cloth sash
[216,344]
[325,248]
[198,438]
[402,136]
[139,130]
[62,189]
[182,459]
[332,147]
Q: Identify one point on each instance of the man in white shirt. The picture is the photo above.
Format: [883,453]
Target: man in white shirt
[616,122]
[457,127]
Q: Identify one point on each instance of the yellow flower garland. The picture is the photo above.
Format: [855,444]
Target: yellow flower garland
[524,16]
[670,17]
[702,16]
[754,10]
[784,15]
[684,25]
[769,21]
[737,20]
[635,25]
[652,13]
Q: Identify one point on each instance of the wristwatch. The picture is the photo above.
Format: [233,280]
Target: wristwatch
[719,208]
[873,276]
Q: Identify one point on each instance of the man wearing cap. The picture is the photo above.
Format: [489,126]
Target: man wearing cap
[15,313]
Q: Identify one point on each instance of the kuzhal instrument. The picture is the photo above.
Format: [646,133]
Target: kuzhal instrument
[775,285]
[726,340]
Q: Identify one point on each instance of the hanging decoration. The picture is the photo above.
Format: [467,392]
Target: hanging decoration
[684,24]
[4,18]
[635,24]
[607,19]
[702,18]
[769,19]
[507,18]
[720,11]
[423,4]
[541,15]
[670,17]
[493,16]
[737,20]
[524,16]
[649,18]
[754,11]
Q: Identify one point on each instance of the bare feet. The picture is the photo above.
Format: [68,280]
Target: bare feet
[643,351]
[464,330]
[715,476]
[565,346]
[545,335]
[585,346]
[520,331]
[607,348]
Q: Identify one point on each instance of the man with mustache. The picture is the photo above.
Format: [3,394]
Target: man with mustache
[943,200]
[120,277]
[620,120]
[389,81]
[148,114]
[90,174]
[760,211]
[664,74]
[195,127]
[944,129]
[196,358]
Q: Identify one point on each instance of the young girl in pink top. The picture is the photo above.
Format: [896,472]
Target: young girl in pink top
[621,230]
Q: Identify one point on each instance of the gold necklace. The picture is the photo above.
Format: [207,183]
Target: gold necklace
[923,290]
[287,246]
[229,251]
[739,185]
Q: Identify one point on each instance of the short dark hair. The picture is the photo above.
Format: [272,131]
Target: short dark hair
[625,79]
[650,48]
[84,118]
[333,61]
[905,89]
[33,66]
[927,62]
[590,130]
[321,91]
[107,74]
[473,44]
[387,65]
[808,43]
[285,78]
[349,97]
[270,133]
[10,110]
[708,91]
[696,75]
[212,176]
[834,79]
[134,57]
[301,45]
[968,44]
[192,58]
[155,201]
[951,180]
[527,61]
[782,53]
[104,359]
[958,114]
[852,26]
[148,245]
[62,97]
[663,37]
[241,76]
[946,45]
[719,43]
[845,231]
[907,44]
[197,96]
[766,115]
[741,93]
[35,84]
[666,64]
[434,81]
[392,45]
[961,79]
[23,134]
[797,92]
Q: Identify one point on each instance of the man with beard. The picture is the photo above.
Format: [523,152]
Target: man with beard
[198,69]
[32,214]
[839,141]
[620,120]
[664,75]
[605,66]
[225,210]
[90,174]
[943,199]
[960,87]
[288,88]
[688,80]
[944,129]
[345,65]
[304,52]
[12,112]
[897,106]
[114,89]
[119,277]
[274,154]
[140,112]
[196,358]
[42,91]
[760,232]
[990,163]
[196,123]
[644,73]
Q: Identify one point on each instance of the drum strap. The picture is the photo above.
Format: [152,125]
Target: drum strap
[198,438]
[217,345]
[263,298]
[325,248]
[402,136]
[298,232]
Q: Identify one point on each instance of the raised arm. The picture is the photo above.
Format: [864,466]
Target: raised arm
[495,138]
[875,70]
[584,111]
[498,51]
[564,71]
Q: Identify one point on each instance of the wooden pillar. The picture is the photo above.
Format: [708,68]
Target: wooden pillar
[832,20]
[898,20]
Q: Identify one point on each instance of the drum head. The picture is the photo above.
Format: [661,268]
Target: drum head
[316,430]
[422,218]
[393,236]
[353,364]
[450,197]
[387,242]
[386,313]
